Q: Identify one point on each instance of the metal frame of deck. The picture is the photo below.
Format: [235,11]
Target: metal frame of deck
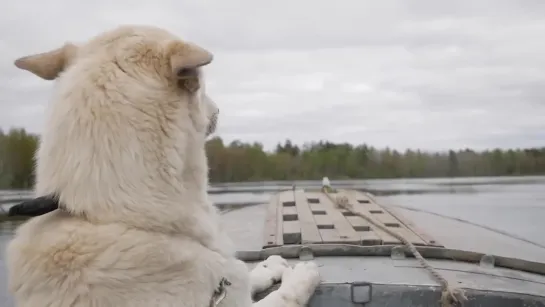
[309,217]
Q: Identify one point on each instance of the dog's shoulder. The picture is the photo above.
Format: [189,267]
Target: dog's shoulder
[58,257]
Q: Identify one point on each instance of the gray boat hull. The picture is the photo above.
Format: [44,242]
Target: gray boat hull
[350,281]
[382,295]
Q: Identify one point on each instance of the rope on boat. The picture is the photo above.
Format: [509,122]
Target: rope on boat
[451,296]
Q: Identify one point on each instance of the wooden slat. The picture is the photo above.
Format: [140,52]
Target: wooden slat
[367,235]
[270,223]
[289,213]
[283,198]
[309,229]
[323,221]
[426,238]
[315,206]
[365,210]
[286,199]
[291,227]
[292,232]
[330,236]
[382,215]
[387,239]
[345,232]
[299,217]
[388,219]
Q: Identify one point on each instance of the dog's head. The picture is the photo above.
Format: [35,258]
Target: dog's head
[137,51]
[124,137]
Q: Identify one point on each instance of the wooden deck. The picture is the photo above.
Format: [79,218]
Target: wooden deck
[309,217]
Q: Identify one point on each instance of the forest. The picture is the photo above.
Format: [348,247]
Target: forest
[239,161]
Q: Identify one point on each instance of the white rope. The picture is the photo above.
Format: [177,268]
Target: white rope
[450,296]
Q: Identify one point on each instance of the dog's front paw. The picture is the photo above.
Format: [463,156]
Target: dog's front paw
[300,282]
[276,265]
[268,272]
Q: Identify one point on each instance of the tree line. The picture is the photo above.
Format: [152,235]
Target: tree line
[239,161]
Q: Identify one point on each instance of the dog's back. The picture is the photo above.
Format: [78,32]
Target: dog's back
[57,260]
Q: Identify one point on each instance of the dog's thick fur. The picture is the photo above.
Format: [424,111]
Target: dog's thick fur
[123,150]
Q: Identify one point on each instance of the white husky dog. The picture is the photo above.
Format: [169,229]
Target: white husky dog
[123,149]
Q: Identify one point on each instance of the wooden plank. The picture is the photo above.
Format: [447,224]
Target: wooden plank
[425,237]
[285,200]
[331,236]
[289,213]
[378,213]
[297,217]
[315,206]
[387,219]
[318,210]
[367,236]
[363,209]
[292,232]
[387,239]
[309,229]
[291,229]
[394,223]
[410,233]
[270,223]
[312,198]
[429,240]
[323,221]
[345,232]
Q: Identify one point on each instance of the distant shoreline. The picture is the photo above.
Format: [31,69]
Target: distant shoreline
[239,161]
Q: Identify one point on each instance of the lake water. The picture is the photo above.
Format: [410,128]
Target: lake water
[515,205]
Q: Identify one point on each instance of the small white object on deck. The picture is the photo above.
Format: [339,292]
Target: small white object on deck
[326,183]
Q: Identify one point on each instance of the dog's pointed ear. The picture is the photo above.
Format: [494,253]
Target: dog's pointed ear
[48,65]
[185,59]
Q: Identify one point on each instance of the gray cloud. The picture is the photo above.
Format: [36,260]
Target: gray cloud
[422,74]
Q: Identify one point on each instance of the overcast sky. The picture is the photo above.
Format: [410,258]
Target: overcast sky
[431,74]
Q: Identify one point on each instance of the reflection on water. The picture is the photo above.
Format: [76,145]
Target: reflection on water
[513,204]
